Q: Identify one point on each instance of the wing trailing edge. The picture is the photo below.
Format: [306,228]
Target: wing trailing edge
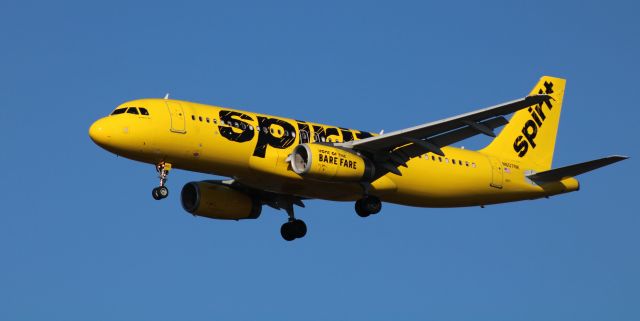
[561,173]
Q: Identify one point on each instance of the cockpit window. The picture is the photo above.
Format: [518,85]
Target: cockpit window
[132,110]
[143,111]
[119,111]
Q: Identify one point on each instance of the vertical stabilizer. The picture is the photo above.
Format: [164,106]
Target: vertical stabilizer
[531,133]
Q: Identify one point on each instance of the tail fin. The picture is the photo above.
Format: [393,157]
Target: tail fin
[531,133]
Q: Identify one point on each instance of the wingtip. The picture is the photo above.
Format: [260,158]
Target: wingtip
[620,157]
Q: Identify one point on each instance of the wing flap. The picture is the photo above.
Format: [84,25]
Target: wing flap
[414,150]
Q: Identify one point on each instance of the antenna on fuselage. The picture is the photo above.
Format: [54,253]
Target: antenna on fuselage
[166,96]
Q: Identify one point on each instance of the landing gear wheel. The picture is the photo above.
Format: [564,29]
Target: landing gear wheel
[163,191]
[368,205]
[287,232]
[360,210]
[155,195]
[160,192]
[300,228]
[293,230]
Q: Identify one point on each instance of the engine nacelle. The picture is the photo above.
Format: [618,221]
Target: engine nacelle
[219,201]
[327,163]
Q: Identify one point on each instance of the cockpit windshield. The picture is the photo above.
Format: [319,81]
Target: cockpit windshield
[119,111]
[131,110]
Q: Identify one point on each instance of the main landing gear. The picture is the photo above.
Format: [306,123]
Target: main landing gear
[368,205]
[161,191]
[294,228]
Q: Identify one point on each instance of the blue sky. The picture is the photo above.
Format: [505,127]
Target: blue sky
[82,239]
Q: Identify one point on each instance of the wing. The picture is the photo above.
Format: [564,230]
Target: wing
[394,149]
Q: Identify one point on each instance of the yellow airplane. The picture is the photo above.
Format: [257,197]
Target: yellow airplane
[280,162]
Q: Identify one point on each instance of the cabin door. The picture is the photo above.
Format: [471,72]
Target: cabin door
[177,117]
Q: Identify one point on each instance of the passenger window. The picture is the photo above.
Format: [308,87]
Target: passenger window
[132,110]
[440,158]
[143,111]
[453,161]
[215,121]
[200,118]
[193,117]
[473,165]
[207,119]
[466,163]
[119,111]
[446,160]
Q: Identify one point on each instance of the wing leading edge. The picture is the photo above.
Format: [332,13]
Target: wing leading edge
[394,149]
[561,173]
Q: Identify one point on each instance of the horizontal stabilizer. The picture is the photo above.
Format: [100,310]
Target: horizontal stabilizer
[561,173]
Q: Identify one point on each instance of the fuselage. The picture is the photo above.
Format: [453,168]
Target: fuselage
[253,149]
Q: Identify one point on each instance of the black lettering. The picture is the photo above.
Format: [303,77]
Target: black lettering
[266,138]
[540,112]
[320,132]
[347,135]
[363,135]
[520,146]
[227,132]
[303,132]
[535,117]
[530,134]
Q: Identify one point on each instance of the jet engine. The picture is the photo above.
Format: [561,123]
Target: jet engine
[219,201]
[327,163]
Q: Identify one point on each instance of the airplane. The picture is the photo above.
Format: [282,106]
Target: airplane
[281,162]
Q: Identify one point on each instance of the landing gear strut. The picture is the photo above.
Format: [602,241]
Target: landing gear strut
[161,191]
[294,228]
[368,205]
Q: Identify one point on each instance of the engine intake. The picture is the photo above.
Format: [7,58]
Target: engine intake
[327,163]
[219,201]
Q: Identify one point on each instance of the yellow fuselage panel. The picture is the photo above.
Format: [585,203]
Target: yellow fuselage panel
[253,149]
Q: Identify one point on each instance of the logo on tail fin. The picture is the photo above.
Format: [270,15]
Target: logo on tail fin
[530,128]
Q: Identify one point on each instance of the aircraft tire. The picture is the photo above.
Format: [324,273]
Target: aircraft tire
[300,228]
[163,192]
[360,209]
[287,231]
[155,194]
[368,205]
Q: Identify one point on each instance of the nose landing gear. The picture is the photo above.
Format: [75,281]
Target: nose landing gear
[161,191]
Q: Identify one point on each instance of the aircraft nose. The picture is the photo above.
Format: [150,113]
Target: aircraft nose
[98,132]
